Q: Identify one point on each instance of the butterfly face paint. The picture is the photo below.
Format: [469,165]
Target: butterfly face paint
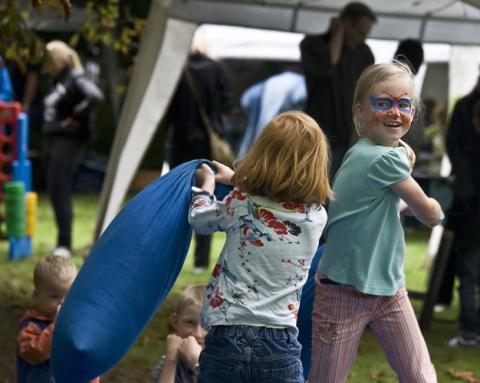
[384,104]
[387,112]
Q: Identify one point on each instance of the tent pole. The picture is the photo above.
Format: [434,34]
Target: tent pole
[153,86]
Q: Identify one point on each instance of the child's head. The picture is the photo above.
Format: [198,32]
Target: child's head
[384,103]
[289,161]
[52,278]
[185,320]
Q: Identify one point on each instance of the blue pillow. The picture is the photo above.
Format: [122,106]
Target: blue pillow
[127,276]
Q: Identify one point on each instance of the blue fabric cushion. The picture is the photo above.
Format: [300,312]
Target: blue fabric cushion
[129,273]
[127,276]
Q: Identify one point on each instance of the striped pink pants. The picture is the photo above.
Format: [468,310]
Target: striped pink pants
[340,315]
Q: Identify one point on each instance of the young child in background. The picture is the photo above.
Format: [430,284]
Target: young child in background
[183,347]
[360,280]
[273,220]
[52,279]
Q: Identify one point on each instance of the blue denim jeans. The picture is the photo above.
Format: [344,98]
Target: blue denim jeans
[251,354]
[468,271]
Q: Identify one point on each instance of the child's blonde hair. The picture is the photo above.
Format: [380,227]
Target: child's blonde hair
[62,52]
[53,268]
[371,77]
[289,162]
[191,296]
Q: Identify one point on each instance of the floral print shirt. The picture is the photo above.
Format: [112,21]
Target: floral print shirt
[265,260]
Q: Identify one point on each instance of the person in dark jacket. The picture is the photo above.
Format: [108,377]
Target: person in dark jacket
[332,63]
[65,130]
[187,137]
[463,218]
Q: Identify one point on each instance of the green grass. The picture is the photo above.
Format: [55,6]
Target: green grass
[370,365]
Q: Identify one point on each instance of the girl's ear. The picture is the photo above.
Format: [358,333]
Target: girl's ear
[359,111]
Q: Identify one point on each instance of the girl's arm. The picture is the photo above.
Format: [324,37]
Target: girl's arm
[205,179]
[206,215]
[224,174]
[424,208]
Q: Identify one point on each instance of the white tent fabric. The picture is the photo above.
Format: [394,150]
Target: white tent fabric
[151,88]
[233,42]
[170,27]
[441,21]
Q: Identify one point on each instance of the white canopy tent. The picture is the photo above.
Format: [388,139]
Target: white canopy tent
[170,28]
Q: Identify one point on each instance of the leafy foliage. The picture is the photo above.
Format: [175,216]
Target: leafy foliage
[17,41]
[110,24]
[65,6]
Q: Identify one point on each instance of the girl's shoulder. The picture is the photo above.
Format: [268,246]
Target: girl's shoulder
[390,167]
[237,197]
[367,148]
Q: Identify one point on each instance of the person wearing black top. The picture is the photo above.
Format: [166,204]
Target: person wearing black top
[332,64]
[65,130]
[463,217]
[187,137]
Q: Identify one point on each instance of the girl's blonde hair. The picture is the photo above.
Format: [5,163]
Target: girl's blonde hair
[62,52]
[289,162]
[371,77]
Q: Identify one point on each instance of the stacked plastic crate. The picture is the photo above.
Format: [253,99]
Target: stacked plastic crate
[19,202]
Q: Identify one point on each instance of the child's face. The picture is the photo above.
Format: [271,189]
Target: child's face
[187,323]
[388,112]
[49,295]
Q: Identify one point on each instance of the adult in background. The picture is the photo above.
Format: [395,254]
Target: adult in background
[410,51]
[266,99]
[463,217]
[333,61]
[65,130]
[187,136]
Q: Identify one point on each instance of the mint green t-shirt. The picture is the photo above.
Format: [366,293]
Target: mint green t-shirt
[365,240]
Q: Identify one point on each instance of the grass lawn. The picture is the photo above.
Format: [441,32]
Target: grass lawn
[370,365]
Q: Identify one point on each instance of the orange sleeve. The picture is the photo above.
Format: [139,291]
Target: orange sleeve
[34,344]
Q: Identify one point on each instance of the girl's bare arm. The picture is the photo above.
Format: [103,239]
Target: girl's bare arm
[424,208]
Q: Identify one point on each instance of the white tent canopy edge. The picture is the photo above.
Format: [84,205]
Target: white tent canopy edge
[167,40]
[138,122]
[435,21]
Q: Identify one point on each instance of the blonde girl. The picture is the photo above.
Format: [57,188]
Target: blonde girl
[273,220]
[360,280]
